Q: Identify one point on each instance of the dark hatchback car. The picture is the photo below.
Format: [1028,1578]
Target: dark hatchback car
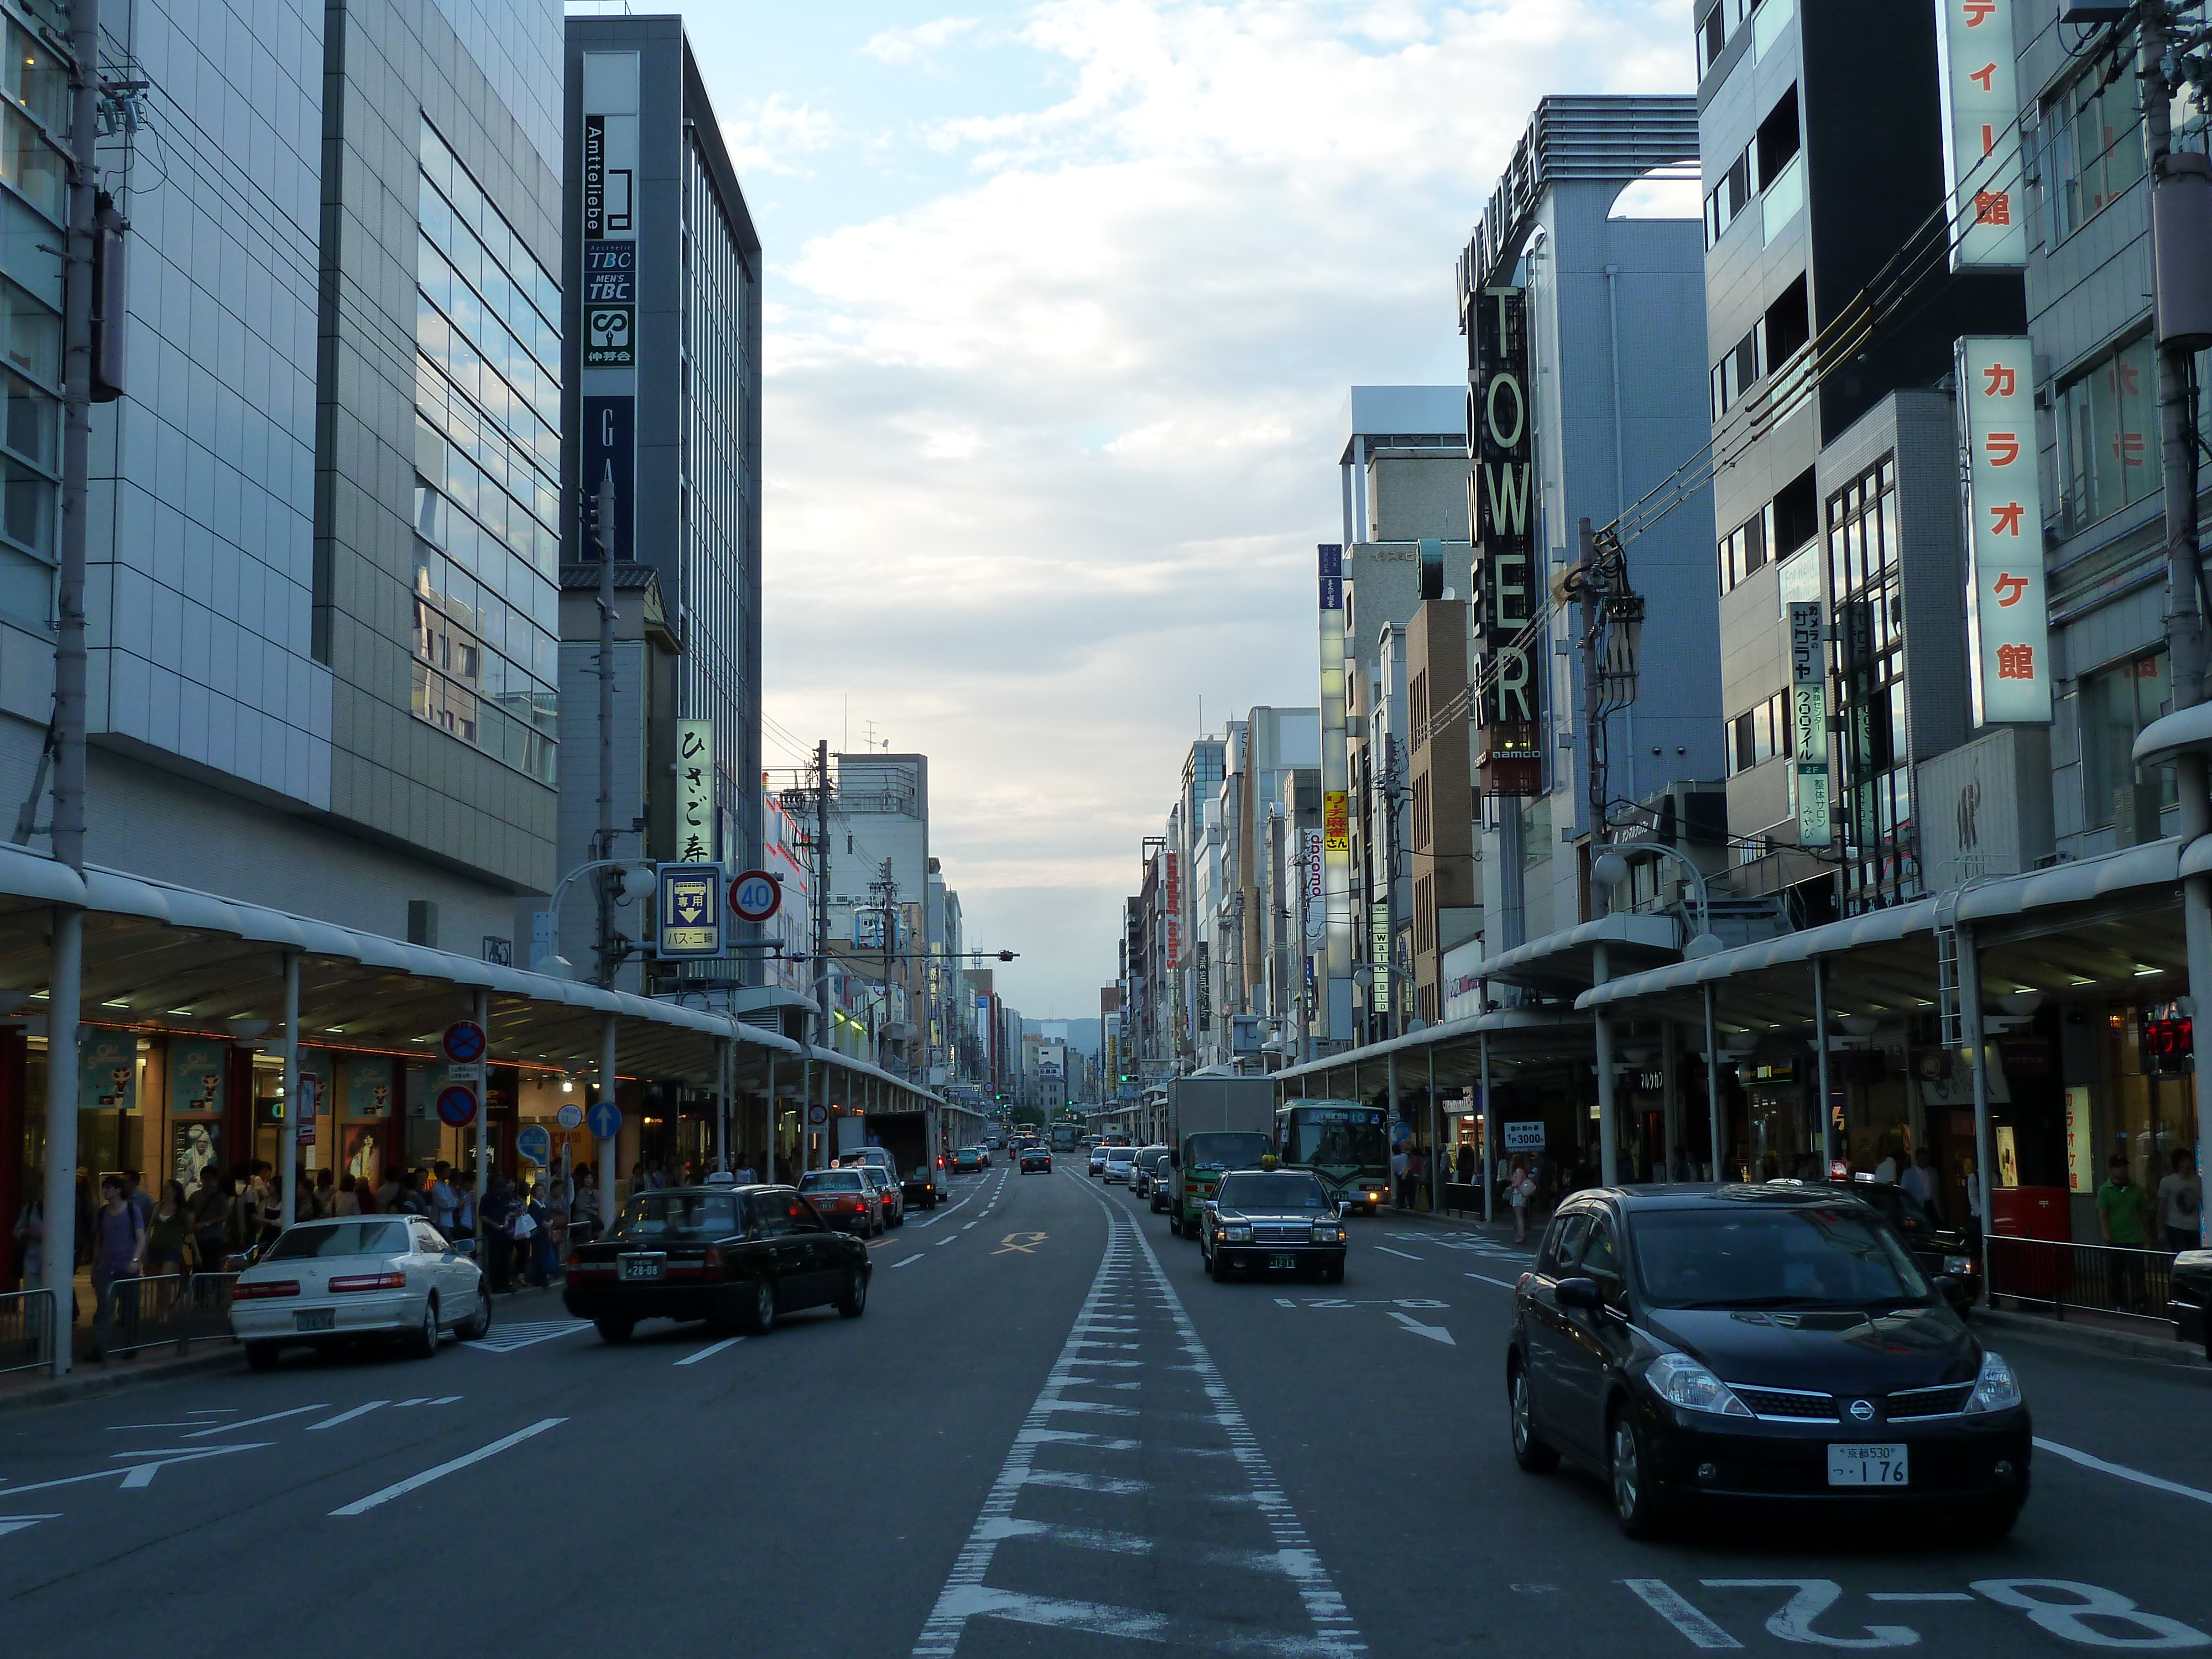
[733,1256]
[2190,1298]
[1701,1348]
[1271,1221]
[1037,1157]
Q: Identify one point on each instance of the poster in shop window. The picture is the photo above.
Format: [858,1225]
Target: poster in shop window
[108,1071]
[363,1154]
[192,1154]
[196,1076]
[368,1086]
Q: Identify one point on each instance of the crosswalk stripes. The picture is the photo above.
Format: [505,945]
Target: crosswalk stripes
[506,1338]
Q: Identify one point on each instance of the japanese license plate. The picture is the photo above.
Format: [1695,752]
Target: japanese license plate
[315,1319]
[1866,1466]
[1282,1262]
[640,1266]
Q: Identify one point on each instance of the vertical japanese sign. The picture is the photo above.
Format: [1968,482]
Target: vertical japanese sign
[694,791]
[605,315]
[1981,115]
[1172,889]
[2008,629]
[1809,725]
[1336,820]
[1501,493]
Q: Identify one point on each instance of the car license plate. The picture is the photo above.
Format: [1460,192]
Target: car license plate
[315,1319]
[1282,1262]
[1866,1466]
[640,1266]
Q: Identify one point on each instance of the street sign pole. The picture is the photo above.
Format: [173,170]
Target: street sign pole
[611,1145]
[483,1121]
[289,1137]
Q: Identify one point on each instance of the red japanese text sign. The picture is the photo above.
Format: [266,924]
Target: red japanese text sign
[2008,629]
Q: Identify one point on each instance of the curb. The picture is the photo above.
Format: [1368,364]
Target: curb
[2088,1339]
[85,1380]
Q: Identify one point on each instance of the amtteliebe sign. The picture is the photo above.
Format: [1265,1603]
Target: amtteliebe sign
[2007,629]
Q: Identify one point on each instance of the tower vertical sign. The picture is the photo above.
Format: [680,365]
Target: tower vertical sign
[1501,516]
[605,317]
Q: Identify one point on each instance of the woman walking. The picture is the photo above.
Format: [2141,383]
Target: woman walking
[1520,1188]
[168,1233]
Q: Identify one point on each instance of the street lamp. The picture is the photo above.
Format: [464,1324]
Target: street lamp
[637,884]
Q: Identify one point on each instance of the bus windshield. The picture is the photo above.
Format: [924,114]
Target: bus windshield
[1334,1136]
[1224,1150]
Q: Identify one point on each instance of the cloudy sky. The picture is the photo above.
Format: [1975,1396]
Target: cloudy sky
[1062,302]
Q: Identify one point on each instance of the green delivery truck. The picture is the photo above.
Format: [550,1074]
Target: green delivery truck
[1215,1124]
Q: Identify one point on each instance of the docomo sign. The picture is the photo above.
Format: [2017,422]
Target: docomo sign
[2007,629]
[1316,885]
[1981,112]
[1809,725]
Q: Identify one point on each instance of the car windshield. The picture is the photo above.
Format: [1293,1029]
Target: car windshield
[679,1215]
[830,1181]
[1224,1150]
[1813,1255]
[341,1238]
[1249,1191]
[1119,1155]
[1336,1135]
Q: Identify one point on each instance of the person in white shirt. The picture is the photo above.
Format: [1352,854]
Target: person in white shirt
[2181,1204]
[1919,1180]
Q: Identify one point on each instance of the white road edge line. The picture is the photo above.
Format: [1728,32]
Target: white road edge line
[2122,1470]
[1667,1601]
[346,1416]
[710,1351]
[401,1488]
[910,1260]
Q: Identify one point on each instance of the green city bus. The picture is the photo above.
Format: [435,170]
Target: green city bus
[1345,1142]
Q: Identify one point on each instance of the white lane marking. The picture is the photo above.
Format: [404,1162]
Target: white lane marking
[401,1488]
[346,1416]
[2122,1470]
[1667,1601]
[138,1474]
[510,1338]
[1434,1333]
[710,1351]
[1502,1283]
[446,1400]
[225,1428]
[1387,1250]
[419,1399]
[1918,1596]
[977,1221]
[122,1428]
[16,1523]
[910,1260]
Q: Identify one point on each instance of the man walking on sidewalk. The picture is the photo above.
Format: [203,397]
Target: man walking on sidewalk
[2121,1204]
[2181,1204]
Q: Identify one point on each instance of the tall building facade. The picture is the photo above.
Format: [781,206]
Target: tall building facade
[662,400]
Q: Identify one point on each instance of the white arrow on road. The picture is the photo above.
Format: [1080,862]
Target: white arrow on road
[16,1523]
[138,1475]
[1434,1333]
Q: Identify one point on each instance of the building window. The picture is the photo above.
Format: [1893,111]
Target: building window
[2115,703]
[2092,147]
[2108,451]
[1876,785]
[1760,734]
[1744,547]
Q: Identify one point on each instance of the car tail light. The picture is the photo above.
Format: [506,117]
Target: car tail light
[710,1266]
[370,1282]
[244,1292]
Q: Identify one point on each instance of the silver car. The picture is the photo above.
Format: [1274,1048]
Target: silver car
[333,1281]
[1120,1164]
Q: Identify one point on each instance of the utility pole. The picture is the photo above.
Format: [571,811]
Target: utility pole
[65,974]
[608,881]
[2172,190]
[821,1033]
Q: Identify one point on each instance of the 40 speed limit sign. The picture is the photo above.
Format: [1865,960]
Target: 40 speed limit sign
[755,895]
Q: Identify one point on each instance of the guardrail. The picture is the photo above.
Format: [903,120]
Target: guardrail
[26,1330]
[2105,1279]
[170,1311]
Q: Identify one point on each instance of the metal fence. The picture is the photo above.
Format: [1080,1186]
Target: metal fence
[2105,1279]
[26,1330]
[171,1310]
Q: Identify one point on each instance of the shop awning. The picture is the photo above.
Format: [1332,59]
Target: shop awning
[1566,960]
[1510,1028]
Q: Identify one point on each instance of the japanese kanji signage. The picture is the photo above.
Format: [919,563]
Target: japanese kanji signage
[1336,820]
[1502,516]
[1174,890]
[694,791]
[690,897]
[2008,629]
[1809,725]
[1981,110]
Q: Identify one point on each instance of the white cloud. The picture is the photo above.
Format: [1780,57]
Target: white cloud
[919,43]
[777,133]
[1047,455]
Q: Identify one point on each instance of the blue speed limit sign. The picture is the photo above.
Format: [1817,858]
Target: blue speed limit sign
[755,895]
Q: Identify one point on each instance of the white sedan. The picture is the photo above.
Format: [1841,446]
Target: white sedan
[333,1281]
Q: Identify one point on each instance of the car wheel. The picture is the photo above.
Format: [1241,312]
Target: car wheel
[615,1332]
[1530,1453]
[262,1356]
[1217,1268]
[854,1301]
[761,1318]
[480,1327]
[1174,1224]
[424,1342]
[1635,1501]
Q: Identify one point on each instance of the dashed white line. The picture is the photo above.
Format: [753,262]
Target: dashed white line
[346,1416]
[1502,1283]
[401,1488]
[225,1428]
[710,1351]
[911,1260]
[1387,1250]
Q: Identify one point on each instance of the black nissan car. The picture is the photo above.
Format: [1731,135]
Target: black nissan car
[735,1255]
[1271,1221]
[1700,1347]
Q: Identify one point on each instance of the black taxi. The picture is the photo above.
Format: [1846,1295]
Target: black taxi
[735,1255]
[1271,1221]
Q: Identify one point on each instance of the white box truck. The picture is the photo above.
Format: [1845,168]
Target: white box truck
[1215,1124]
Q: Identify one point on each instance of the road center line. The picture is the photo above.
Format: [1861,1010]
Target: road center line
[2121,1469]
[710,1351]
[1385,1248]
[400,1489]
[346,1416]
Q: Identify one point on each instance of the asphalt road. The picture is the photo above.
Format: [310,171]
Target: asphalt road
[1049,1435]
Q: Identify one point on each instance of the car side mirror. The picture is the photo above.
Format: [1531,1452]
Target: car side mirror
[1953,1291]
[1581,1292]
[1343,1208]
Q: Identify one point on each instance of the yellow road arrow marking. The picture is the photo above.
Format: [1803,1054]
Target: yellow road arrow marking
[1007,1246]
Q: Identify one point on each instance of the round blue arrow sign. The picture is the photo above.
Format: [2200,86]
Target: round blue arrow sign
[605,1119]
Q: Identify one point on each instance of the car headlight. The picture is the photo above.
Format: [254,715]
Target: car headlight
[1237,1235]
[1327,1234]
[1957,1264]
[1996,1389]
[1681,1382]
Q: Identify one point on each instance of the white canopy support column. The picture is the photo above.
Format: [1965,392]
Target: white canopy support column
[1608,1131]
[287,1142]
[609,1094]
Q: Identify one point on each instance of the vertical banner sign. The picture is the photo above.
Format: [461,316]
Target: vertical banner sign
[1336,820]
[1981,114]
[1173,890]
[605,317]
[1310,864]
[1808,725]
[2008,629]
[1502,519]
[694,791]
[1336,782]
